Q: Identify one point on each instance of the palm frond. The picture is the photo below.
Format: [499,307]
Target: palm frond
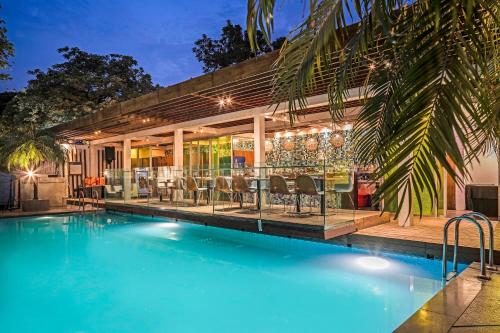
[27,147]
[430,82]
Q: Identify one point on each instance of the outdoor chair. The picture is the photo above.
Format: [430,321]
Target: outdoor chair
[113,191]
[177,188]
[109,190]
[192,186]
[241,187]
[222,186]
[340,188]
[278,186]
[305,185]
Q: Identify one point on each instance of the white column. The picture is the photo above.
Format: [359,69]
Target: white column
[259,140]
[405,217]
[460,189]
[127,169]
[93,161]
[178,149]
[445,192]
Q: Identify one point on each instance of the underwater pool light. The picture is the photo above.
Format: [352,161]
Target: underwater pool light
[373,263]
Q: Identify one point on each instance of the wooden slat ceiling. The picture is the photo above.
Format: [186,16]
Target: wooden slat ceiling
[248,84]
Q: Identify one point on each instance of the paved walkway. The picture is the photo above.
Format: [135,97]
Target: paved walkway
[20,213]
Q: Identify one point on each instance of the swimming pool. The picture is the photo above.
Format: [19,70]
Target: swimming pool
[126,273]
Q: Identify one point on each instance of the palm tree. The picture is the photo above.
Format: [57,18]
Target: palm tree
[27,147]
[430,71]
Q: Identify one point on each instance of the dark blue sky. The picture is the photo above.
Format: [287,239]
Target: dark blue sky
[158,33]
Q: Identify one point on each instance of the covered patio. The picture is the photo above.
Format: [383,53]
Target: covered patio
[216,145]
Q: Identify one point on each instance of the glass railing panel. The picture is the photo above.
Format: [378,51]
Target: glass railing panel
[317,195]
[293,194]
[340,191]
[114,185]
[194,190]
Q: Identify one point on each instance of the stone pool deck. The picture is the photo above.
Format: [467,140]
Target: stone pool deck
[51,211]
[466,305]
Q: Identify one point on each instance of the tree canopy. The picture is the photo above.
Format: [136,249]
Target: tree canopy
[85,83]
[6,50]
[232,47]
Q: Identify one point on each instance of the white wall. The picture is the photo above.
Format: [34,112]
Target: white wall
[484,171]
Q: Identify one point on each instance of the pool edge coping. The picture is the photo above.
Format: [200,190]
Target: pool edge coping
[443,310]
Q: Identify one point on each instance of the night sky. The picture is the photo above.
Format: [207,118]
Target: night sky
[159,34]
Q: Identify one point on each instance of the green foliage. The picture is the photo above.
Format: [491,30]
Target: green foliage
[85,83]
[430,71]
[232,47]
[26,147]
[23,109]
[6,50]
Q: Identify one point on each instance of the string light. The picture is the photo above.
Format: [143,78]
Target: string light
[372,66]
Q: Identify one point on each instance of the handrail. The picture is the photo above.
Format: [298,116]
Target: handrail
[95,195]
[491,253]
[482,274]
[81,200]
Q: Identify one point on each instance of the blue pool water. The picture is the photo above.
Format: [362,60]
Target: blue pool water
[123,273]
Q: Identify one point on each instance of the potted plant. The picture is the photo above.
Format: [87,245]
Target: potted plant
[25,148]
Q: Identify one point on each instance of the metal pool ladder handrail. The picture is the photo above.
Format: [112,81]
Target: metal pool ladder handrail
[81,200]
[491,253]
[457,220]
[95,195]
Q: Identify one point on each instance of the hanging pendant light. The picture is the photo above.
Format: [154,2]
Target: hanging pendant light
[337,140]
[311,144]
[288,145]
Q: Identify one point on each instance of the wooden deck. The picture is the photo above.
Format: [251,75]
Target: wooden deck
[424,238]
[430,230]
[275,222]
